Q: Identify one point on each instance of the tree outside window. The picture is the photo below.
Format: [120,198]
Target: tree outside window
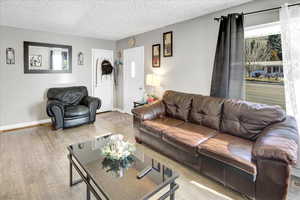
[264,70]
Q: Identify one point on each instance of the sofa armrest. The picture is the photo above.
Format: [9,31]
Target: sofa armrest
[150,111]
[94,104]
[279,141]
[53,107]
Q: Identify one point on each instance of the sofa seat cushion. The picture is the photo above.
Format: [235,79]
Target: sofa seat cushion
[232,150]
[188,136]
[157,126]
[75,111]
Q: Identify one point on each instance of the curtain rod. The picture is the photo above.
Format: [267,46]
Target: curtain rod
[260,11]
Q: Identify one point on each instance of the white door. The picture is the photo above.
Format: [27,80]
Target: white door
[133,74]
[102,84]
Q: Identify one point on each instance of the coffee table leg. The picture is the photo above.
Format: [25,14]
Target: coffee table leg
[88,192]
[172,192]
[71,170]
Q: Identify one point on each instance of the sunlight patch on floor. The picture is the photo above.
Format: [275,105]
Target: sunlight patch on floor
[210,190]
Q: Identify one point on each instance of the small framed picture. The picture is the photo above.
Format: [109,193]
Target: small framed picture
[156,55]
[10,56]
[35,61]
[80,58]
[168,44]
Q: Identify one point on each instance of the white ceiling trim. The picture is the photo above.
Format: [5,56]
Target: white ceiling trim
[105,19]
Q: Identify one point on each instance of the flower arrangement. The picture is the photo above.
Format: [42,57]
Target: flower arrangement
[151,98]
[117,149]
[118,155]
[117,167]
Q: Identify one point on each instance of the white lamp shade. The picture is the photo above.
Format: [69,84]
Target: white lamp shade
[152,80]
[149,79]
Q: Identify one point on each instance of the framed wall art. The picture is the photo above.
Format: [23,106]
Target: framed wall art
[168,44]
[10,56]
[80,58]
[47,58]
[156,55]
[35,60]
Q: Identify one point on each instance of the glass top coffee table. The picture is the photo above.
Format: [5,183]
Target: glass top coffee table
[140,177]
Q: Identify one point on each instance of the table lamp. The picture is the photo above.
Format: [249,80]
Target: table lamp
[153,81]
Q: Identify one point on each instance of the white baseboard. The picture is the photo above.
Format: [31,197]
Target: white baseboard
[23,124]
[112,110]
[119,110]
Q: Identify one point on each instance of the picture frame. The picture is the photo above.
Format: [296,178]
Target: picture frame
[80,59]
[10,56]
[47,58]
[36,60]
[156,56]
[168,44]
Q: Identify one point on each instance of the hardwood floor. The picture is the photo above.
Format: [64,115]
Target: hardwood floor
[34,165]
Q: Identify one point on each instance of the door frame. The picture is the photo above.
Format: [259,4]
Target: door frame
[124,76]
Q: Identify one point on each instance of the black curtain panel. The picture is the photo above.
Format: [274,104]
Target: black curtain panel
[228,72]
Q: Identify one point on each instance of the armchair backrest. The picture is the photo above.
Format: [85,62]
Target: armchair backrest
[68,95]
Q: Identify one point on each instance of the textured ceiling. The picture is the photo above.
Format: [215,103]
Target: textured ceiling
[106,19]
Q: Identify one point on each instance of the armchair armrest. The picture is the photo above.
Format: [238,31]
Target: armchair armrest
[94,104]
[55,110]
[53,107]
[278,142]
[91,101]
[150,111]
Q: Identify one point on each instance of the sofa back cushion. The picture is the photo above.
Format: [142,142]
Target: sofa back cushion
[247,120]
[207,111]
[178,104]
[68,95]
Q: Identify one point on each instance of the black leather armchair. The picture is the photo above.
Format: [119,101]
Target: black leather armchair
[71,106]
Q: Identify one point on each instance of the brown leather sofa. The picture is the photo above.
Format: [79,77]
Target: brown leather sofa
[245,146]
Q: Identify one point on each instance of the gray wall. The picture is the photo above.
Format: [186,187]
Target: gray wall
[23,96]
[191,66]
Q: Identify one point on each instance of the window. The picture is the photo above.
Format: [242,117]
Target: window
[132,69]
[264,68]
[56,60]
